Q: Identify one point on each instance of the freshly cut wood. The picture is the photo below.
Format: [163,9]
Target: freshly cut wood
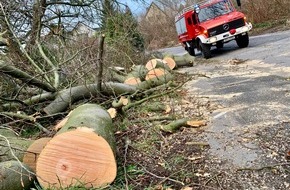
[78,157]
[157,63]
[15,176]
[17,145]
[175,125]
[196,123]
[154,80]
[132,80]
[112,112]
[62,122]
[159,72]
[170,62]
[33,151]
[123,101]
[92,116]
[82,152]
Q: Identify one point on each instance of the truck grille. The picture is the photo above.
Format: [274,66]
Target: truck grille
[223,28]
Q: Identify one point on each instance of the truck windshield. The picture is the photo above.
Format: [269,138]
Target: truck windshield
[215,10]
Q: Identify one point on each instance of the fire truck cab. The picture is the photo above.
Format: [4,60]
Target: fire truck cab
[211,23]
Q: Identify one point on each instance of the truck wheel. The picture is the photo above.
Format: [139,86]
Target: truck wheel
[191,51]
[242,40]
[205,50]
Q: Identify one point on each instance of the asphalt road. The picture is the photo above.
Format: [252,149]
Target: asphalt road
[251,95]
[271,48]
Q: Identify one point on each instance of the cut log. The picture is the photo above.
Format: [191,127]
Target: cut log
[170,62]
[155,78]
[91,116]
[31,155]
[69,96]
[138,71]
[153,73]
[15,176]
[132,80]
[82,152]
[156,63]
[17,145]
[175,125]
[184,60]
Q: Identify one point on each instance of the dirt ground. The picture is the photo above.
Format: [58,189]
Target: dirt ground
[186,159]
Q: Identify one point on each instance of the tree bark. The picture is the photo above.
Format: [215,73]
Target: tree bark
[82,152]
[175,125]
[69,96]
[17,145]
[24,77]
[99,63]
[15,176]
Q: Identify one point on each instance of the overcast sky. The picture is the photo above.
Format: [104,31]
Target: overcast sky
[138,8]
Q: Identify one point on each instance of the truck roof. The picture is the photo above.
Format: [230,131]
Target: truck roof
[191,7]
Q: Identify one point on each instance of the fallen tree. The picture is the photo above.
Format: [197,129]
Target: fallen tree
[15,175]
[11,146]
[83,151]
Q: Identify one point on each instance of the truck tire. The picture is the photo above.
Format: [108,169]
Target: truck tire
[205,50]
[242,40]
[191,51]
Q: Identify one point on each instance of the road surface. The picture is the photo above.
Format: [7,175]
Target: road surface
[252,97]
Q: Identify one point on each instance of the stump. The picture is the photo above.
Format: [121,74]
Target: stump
[15,176]
[82,152]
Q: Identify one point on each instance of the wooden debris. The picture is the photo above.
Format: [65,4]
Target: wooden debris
[185,122]
[82,152]
[15,175]
[31,155]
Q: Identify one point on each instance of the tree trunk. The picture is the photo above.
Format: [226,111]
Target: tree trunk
[31,155]
[82,152]
[15,176]
[69,96]
[17,145]
[24,77]
[185,60]
[99,64]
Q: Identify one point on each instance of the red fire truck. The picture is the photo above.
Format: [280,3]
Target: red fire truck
[211,23]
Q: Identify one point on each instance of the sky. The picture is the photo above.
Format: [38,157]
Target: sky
[137,8]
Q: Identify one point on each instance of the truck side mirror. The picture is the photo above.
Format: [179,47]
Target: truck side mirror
[196,9]
[239,3]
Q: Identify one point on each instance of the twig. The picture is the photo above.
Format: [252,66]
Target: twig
[264,167]
[127,143]
[125,108]
[14,156]
[160,177]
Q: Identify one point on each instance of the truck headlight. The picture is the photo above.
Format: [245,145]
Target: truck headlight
[212,39]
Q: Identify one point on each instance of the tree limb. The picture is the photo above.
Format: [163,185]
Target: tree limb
[24,77]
